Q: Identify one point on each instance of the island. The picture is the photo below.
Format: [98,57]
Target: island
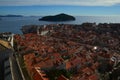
[10,15]
[59,17]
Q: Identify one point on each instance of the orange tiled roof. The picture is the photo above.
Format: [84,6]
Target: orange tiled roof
[38,74]
[95,65]
[87,71]
[93,77]
[62,78]
[68,65]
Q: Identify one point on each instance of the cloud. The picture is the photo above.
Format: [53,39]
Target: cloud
[59,2]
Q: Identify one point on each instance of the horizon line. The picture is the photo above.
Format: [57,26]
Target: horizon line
[34,15]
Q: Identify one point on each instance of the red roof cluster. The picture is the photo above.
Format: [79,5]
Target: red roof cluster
[62,47]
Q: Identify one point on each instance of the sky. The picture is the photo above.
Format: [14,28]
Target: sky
[52,7]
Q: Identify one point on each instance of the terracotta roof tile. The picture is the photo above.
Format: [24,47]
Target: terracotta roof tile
[62,78]
[68,65]
[93,77]
[87,71]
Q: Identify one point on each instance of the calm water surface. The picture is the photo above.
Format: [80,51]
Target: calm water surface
[14,24]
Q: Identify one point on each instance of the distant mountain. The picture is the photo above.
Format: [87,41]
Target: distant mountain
[11,16]
[59,17]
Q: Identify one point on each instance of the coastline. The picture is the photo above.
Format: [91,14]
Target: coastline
[14,24]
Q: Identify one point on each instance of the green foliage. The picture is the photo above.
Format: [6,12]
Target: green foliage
[53,74]
[24,69]
[66,57]
[104,67]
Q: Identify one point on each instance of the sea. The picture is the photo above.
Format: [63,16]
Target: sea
[14,24]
